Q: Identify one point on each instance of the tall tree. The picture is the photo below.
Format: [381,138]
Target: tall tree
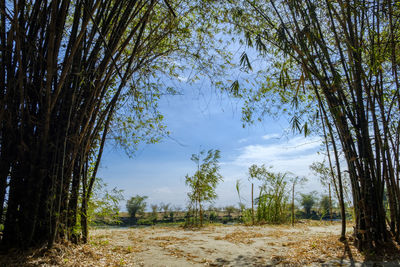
[73,74]
[342,56]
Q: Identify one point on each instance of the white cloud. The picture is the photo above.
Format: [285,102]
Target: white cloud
[243,140]
[182,78]
[294,155]
[271,136]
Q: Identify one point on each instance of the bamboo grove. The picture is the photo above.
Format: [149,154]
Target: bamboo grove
[335,63]
[68,70]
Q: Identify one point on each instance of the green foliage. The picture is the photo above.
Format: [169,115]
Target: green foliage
[334,62]
[325,176]
[145,221]
[259,173]
[136,206]
[190,219]
[204,182]
[165,208]
[247,216]
[230,210]
[238,185]
[324,204]
[176,50]
[154,214]
[323,171]
[104,204]
[242,207]
[171,216]
[308,201]
[105,66]
[212,216]
[295,181]
[272,203]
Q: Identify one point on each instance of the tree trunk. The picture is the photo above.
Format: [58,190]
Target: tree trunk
[201,215]
[330,203]
[252,204]
[293,203]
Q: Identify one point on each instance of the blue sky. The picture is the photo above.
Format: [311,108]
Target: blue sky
[203,119]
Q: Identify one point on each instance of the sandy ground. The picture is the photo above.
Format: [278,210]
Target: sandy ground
[302,245]
[221,245]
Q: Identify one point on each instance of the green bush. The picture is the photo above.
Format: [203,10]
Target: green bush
[190,220]
[145,221]
[272,203]
[246,216]
[213,216]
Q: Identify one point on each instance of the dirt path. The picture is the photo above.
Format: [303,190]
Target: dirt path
[304,245]
[223,245]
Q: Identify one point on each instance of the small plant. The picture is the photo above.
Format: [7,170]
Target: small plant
[314,245]
[203,183]
[154,213]
[100,243]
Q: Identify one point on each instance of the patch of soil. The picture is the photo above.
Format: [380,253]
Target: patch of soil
[305,244]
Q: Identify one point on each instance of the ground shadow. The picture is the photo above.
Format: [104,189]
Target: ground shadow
[346,259]
[29,258]
[387,255]
[246,260]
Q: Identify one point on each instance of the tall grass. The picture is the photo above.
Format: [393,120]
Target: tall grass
[272,203]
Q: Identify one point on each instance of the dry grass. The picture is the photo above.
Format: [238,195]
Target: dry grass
[170,239]
[100,251]
[319,249]
[172,245]
[67,254]
[275,244]
[323,248]
[244,237]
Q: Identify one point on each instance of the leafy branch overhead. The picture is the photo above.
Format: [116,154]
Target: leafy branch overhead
[332,66]
[74,76]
